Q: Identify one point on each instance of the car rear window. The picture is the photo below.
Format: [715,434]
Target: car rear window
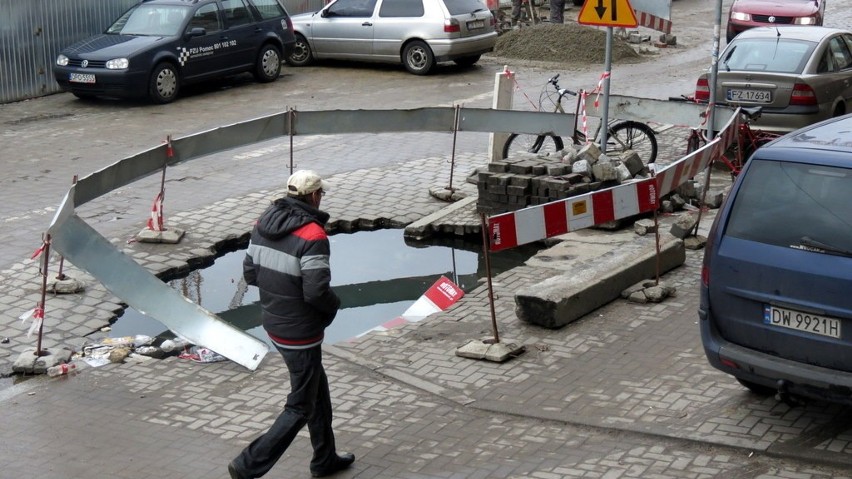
[778,55]
[459,7]
[269,9]
[794,205]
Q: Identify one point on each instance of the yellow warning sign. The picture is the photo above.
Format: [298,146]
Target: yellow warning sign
[607,13]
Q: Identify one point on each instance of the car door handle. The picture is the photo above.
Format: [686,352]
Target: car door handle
[367,24]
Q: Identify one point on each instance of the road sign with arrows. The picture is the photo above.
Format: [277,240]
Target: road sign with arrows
[607,13]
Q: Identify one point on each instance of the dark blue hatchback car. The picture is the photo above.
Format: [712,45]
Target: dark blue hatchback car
[157,46]
[776,285]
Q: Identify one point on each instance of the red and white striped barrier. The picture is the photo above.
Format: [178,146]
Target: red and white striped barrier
[536,223]
[653,21]
[440,296]
[559,217]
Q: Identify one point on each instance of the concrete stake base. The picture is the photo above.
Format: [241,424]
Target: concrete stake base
[29,363]
[169,236]
[67,285]
[484,349]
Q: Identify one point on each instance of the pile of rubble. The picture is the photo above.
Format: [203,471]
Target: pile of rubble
[527,180]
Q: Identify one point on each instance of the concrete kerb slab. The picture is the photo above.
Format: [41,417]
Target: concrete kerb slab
[590,269]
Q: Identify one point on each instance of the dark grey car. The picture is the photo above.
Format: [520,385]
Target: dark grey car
[776,286]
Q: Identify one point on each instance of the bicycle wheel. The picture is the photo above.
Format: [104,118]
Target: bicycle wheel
[632,135]
[525,144]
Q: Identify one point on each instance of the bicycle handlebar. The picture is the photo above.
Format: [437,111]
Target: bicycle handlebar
[554,80]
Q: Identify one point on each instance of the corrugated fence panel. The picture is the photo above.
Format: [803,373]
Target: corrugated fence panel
[32,33]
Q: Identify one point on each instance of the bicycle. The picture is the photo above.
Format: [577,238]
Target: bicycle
[622,135]
[748,139]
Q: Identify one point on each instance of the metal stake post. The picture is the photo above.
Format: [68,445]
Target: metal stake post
[291,118]
[41,306]
[456,117]
[485,251]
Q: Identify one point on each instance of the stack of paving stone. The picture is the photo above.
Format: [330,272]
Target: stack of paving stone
[521,181]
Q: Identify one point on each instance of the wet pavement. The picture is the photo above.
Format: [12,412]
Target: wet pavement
[623,392]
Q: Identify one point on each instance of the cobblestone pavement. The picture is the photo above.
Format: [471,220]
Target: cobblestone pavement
[624,392]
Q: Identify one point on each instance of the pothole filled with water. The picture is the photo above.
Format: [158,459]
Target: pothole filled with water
[375,273]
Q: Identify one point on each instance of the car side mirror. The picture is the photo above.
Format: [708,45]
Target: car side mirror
[197,32]
[325,13]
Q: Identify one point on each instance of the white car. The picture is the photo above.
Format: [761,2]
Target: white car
[416,33]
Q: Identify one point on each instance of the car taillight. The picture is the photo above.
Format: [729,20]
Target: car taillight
[702,90]
[803,95]
[705,275]
[451,26]
[289,24]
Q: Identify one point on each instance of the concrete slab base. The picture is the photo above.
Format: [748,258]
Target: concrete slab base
[66,285]
[488,350]
[444,193]
[590,269]
[29,363]
[169,236]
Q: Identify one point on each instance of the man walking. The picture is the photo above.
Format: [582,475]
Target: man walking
[288,260]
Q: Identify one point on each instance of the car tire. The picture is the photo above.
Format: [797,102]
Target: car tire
[268,65]
[467,61]
[758,389]
[418,58]
[164,84]
[302,54]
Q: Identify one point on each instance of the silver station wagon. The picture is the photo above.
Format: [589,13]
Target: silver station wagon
[416,33]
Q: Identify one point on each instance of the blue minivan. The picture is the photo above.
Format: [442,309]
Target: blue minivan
[776,283]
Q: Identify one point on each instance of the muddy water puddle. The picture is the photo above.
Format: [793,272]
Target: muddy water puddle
[376,274]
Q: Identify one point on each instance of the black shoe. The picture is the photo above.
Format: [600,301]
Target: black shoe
[339,463]
[235,474]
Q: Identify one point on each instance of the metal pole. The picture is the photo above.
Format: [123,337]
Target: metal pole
[607,68]
[453,154]
[291,116]
[714,70]
[60,275]
[485,251]
[45,262]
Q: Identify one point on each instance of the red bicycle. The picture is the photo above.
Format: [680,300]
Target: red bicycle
[748,140]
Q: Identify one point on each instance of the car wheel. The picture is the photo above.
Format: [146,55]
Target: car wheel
[758,389]
[467,61]
[418,58]
[268,64]
[164,84]
[301,55]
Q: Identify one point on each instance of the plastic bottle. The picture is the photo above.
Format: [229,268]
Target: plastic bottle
[170,345]
[138,340]
[61,369]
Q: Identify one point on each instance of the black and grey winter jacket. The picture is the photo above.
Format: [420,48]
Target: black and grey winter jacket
[288,260]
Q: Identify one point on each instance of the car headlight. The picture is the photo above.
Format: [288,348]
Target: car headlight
[740,16]
[62,60]
[117,64]
[804,21]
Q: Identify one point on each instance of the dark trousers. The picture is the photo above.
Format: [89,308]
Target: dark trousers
[309,402]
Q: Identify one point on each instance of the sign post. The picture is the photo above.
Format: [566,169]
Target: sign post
[607,13]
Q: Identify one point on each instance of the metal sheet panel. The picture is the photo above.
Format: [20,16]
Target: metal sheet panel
[34,31]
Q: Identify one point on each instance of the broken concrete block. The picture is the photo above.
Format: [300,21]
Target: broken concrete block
[569,154]
[694,243]
[589,152]
[684,225]
[644,226]
[633,162]
[677,202]
[604,171]
[714,198]
[582,167]
[668,39]
[622,171]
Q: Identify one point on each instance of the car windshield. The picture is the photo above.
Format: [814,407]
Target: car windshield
[794,205]
[777,55]
[459,7]
[154,20]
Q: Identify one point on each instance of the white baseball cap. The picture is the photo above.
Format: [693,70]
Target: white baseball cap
[305,182]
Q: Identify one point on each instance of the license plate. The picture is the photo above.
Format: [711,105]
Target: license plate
[756,96]
[473,25]
[811,323]
[82,78]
